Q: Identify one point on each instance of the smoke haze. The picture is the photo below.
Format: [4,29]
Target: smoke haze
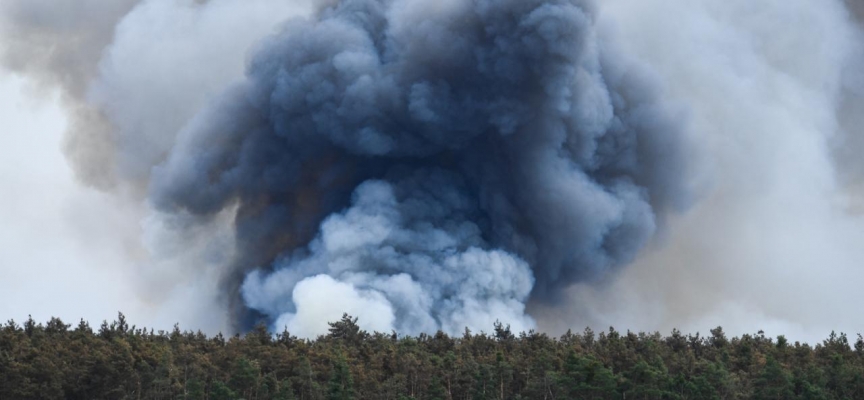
[775,240]
[646,164]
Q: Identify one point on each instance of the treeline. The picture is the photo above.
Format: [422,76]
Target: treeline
[118,361]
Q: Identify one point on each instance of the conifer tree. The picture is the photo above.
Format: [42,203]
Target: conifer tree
[341,385]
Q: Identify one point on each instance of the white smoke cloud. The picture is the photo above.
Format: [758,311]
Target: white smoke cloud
[395,265]
[321,299]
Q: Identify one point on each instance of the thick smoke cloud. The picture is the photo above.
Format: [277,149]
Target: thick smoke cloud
[415,258]
[426,166]
[348,160]
[478,138]
[775,241]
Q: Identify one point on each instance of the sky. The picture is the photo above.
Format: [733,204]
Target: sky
[71,251]
[60,242]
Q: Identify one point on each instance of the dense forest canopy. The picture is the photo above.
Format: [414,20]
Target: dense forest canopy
[119,361]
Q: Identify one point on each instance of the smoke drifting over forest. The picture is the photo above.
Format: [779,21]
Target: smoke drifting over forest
[436,165]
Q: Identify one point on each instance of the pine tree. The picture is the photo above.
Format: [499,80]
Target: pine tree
[221,391]
[341,385]
[773,383]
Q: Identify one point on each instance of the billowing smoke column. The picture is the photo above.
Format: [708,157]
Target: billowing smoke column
[428,165]
[433,164]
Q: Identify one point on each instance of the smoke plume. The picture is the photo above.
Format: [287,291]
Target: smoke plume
[427,166]
[484,146]
[435,165]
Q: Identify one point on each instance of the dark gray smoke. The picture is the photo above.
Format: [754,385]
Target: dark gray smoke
[491,136]
[849,141]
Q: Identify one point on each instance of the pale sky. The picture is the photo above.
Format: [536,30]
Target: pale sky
[58,243]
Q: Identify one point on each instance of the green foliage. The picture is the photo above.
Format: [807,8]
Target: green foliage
[341,383]
[773,383]
[244,377]
[586,378]
[119,361]
[221,391]
[195,390]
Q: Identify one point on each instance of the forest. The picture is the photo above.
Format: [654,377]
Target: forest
[118,361]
